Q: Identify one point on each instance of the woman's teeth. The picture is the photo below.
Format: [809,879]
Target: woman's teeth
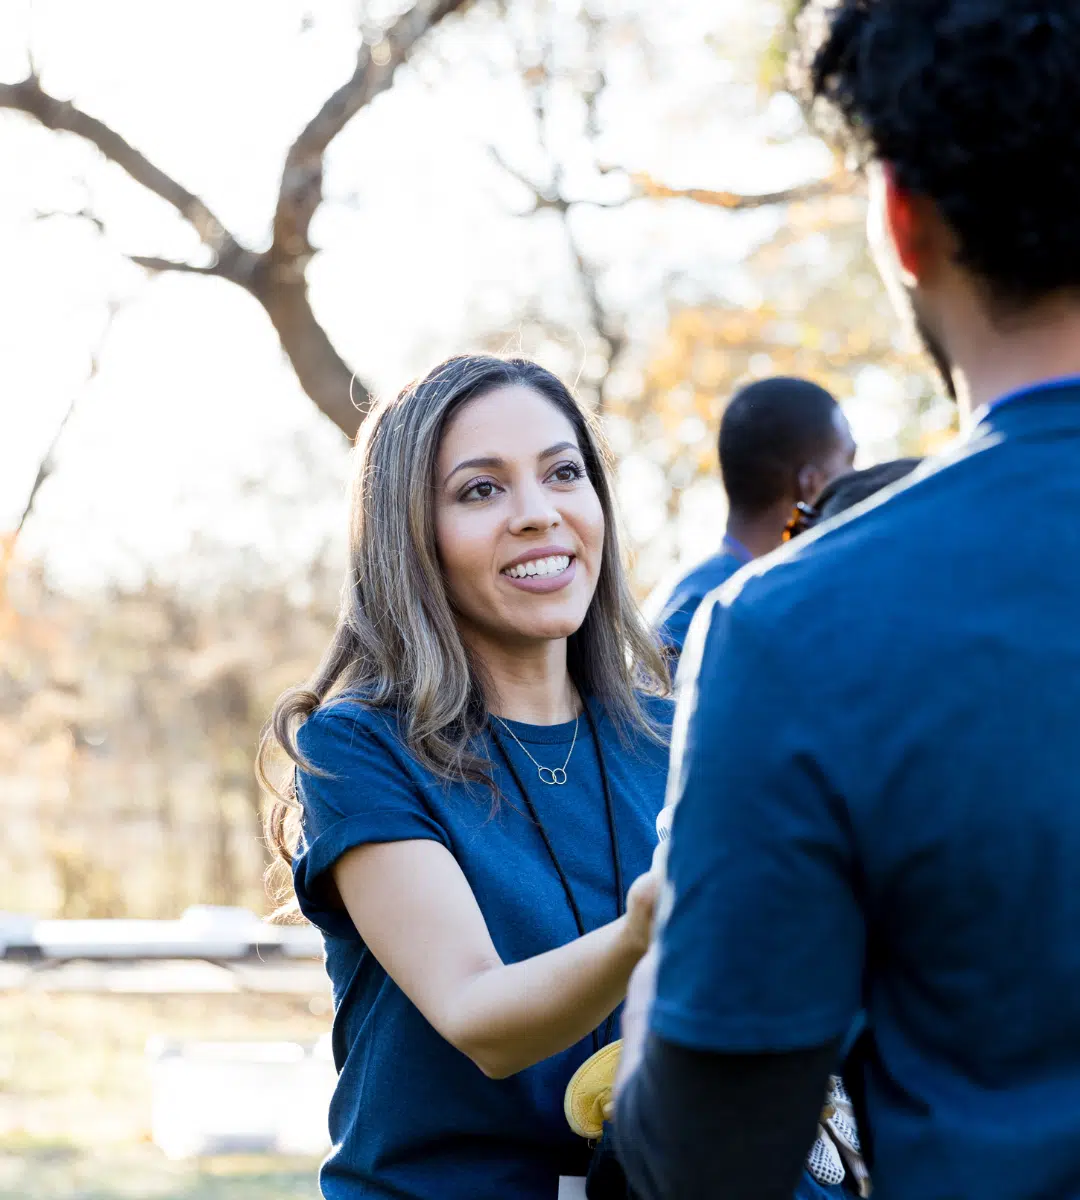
[554,565]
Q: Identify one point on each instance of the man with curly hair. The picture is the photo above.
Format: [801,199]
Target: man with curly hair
[876,764]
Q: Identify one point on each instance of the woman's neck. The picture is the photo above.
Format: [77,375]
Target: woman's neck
[528,682]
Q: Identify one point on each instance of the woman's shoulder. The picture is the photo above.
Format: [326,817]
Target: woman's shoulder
[346,721]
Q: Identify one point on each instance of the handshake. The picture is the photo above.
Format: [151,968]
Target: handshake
[588,1098]
[643,900]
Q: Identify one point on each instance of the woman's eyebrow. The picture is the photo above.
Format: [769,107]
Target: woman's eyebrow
[558,448]
[490,462]
[493,463]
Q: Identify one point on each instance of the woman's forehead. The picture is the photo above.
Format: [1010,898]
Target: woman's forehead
[512,421]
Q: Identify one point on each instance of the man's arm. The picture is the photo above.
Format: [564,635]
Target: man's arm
[694,1125]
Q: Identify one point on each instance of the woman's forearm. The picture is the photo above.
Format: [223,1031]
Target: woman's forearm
[508,1017]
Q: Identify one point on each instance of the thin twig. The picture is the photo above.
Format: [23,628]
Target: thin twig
[47,463]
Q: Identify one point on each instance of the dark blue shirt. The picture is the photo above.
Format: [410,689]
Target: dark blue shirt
[877,761]
[412,1116]
[678,611]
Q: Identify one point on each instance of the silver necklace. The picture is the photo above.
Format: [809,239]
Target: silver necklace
[552,776]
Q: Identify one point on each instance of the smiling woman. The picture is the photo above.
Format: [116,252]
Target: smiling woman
[488,647]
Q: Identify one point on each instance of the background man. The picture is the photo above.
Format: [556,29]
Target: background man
[781,441]
[876,770]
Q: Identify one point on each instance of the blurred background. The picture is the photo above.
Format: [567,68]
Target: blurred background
[219,219]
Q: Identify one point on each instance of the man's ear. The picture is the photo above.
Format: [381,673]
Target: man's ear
[809,483]
[907,222]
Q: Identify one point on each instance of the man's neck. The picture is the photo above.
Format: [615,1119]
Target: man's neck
[761,533]
[527,681]
[1000,361]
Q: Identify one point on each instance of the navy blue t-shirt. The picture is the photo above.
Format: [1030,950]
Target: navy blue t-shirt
[687,595]
[876,762]
[412,1116]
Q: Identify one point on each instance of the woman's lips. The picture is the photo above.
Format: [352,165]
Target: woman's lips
[542,583]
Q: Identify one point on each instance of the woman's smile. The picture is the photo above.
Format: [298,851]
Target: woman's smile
[548,569]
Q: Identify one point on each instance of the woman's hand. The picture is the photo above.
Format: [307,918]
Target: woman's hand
[641,909]
[642,897]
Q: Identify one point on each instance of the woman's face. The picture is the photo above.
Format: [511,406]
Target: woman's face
[518,524]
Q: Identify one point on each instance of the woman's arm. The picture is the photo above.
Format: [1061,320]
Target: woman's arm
[413,907]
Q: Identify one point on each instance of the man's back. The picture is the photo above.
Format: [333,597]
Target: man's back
[689,591]
[919,815]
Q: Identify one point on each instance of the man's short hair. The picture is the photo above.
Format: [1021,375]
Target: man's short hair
[974,104]
[770,431]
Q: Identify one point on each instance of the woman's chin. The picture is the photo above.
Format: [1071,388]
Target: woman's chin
[548,627]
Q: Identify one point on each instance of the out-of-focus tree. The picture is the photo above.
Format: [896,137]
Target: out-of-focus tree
[817,310]
[128,723]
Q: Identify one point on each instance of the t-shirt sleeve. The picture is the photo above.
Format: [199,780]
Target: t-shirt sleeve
[762,944]
[360,792]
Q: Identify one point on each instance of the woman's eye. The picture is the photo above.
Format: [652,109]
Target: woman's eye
[568,472]
[482,489]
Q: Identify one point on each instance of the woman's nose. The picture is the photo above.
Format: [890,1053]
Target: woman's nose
[533,510]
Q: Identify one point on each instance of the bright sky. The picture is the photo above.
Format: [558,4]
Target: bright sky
[193,398]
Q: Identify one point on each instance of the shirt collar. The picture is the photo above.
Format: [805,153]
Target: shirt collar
[736,549]
[1066,388]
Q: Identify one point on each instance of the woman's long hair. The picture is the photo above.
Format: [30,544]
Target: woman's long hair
[397,641]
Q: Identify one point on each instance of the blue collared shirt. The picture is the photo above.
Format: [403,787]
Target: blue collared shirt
[877,768]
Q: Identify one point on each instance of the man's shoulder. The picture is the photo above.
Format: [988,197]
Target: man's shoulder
[695,584]
[852,564]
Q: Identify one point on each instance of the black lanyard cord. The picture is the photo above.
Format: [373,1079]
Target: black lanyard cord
[609,806]
[620,899]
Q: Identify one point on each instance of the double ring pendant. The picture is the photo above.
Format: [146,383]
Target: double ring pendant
[552,776]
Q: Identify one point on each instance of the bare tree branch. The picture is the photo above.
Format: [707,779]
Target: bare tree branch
[602,321]
[82,214]
[276,278]
[647,188]
[542,197]
[301,181]
[45,469]
[160,265]
[321,371]
[540,78]
[47,463]
[550,197]
[62,116]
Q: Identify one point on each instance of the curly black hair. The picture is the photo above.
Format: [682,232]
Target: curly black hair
[975,104]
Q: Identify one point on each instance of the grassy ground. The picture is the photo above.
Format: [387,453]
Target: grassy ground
[75,1096]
